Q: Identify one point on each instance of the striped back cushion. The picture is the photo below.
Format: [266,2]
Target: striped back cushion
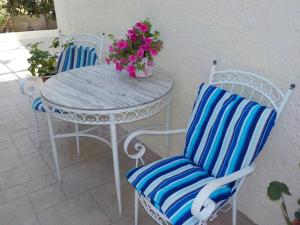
[75,57]
[226,131]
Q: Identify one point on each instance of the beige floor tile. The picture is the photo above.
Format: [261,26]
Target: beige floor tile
[47,197]
[40,183]
[25,145]
[17,212]
[14,177]
[36,165]
[9,116]
[84,176]
[81,210]
[9,159]
[14,192]
[105,196]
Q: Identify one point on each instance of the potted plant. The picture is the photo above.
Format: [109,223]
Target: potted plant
[136,52]
[276,191]
[43,63]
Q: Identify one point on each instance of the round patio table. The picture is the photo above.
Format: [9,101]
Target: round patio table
[98,95]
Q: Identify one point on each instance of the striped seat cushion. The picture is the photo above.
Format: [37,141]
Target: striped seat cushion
[226,131]
[75,57]
[172,184]
[37,105]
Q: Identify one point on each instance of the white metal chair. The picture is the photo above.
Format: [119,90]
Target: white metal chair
[91,47]
[225,135]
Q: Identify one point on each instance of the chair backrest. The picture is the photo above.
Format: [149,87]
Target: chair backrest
[251,86]
[75,56]
[228,131]
[86,40]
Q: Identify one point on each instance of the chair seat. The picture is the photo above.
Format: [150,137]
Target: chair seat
[38,105]
[172,184]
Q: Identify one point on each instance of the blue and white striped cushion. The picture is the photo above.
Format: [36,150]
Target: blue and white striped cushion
[226,131]
[172,184]
[37,105]
[75,57]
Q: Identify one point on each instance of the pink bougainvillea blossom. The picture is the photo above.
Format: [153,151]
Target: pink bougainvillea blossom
[145,47]
[123,61]
[148,41]
[131,70]
[111,49]
[142,27]
[140,53]
[132,58]
[119,66]
[122,44]
[150,63]
[153,52]
[107,60]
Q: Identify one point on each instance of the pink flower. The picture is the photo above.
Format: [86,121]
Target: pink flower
[142,27]
[138,24]
[131,32]
[150,63]
[145,47]
[123,61]
[119,66]
[122,44]
[148,41]
[111,49]
[131,70]
[132,35]
[140,53]
[132,58]
[153,52]
[107,60]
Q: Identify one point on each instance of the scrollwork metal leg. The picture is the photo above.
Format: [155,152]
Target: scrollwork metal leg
[53,144]
[136,208]
[36,129]
[114,144]
[234,211]
[77,140]
[168,127]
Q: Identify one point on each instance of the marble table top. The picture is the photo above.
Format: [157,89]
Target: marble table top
[102,88]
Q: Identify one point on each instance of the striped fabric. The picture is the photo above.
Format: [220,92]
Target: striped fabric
[37,105]
[75,57]
[226,133]
[172,184]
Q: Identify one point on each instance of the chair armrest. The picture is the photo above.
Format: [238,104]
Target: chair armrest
[140,148]
[30,86]
[203,206]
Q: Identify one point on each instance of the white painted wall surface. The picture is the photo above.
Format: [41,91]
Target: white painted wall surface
[258,35]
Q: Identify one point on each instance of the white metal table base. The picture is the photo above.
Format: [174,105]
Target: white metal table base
[113,144]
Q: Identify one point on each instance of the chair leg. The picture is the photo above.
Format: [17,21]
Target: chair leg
[234,211]
[36,130]
[77,140]
[136,208]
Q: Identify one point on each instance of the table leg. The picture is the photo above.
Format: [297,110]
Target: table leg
[53,144]
[168,127]
[114,144]
[77,140]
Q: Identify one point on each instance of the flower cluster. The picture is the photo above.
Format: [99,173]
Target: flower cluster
[130,53]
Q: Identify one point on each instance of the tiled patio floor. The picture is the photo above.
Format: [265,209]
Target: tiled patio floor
[29,191]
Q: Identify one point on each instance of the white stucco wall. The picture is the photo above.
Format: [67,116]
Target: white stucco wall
[258,35]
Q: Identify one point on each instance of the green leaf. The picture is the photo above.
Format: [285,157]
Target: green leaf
[297,214]
[276,189]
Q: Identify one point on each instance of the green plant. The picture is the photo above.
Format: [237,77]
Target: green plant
[4,15]
[30,7]
[276,191]
[43,63]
